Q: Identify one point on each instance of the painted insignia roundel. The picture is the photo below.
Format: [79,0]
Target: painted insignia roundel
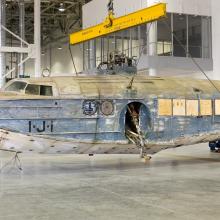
[89,107]
[107,108]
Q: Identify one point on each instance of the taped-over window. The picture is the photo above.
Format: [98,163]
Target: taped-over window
[217,107]
[192,107]
[179,107]
[205,107]
[164,107]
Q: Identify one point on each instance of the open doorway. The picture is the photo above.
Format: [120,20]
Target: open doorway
[132,122]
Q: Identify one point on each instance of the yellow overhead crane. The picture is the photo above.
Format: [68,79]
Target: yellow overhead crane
[112,24]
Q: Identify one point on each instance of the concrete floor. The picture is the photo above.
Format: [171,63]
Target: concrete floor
[176,184]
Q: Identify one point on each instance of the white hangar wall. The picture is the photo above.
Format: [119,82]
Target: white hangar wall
[60,62]
[215,7]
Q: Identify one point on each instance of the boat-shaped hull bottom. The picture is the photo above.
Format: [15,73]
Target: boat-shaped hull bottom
[17,142]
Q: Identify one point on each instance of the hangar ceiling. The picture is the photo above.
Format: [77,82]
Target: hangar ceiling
[55,24]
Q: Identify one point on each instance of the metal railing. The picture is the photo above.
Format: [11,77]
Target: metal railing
[164,48]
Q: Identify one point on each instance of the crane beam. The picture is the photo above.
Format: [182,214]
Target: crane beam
[111,24]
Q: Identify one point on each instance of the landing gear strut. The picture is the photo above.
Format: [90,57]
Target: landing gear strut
[214,146]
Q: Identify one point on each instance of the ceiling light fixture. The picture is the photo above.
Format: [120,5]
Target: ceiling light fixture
[59,48]
[62,8]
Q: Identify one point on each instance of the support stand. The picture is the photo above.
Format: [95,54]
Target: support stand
[15,161]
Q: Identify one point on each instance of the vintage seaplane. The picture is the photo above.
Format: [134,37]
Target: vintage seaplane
[119,112]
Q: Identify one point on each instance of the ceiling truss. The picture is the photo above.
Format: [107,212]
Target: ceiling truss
[54,24]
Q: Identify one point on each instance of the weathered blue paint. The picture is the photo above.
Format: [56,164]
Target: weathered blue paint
[67,120]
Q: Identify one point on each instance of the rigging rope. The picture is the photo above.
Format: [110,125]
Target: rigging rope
[142,50]
[71,54]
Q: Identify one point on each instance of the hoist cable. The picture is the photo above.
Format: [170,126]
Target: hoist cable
[71,54]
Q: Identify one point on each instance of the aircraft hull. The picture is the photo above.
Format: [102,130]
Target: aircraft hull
[75,120]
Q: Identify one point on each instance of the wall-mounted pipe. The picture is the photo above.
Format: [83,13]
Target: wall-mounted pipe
[37,37]
[152,40]
[22,33]
[2,42]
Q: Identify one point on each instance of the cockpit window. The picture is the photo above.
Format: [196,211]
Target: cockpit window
[32,89]
[16,86]
[43,90]
[46,90]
